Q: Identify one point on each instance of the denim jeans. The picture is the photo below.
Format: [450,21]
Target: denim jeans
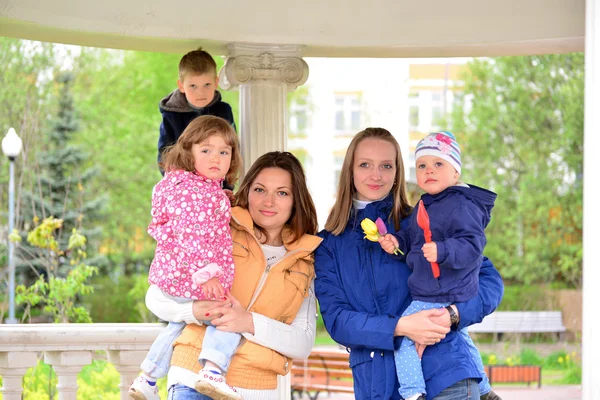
[467,389]
[157,361]
[181,392]
[219,347]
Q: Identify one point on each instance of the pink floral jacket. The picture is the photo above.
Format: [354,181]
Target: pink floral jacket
[190,222]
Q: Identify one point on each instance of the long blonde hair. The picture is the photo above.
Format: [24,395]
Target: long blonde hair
[340,212]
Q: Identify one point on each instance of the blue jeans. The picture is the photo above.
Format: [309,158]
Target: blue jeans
[181,392]
[217,347]
[466,389]
[157,361]
[408,364]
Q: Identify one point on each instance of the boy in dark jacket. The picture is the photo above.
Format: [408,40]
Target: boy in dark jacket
[458,215]
[196,95]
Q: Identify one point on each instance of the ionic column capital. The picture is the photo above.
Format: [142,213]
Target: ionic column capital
[249,63]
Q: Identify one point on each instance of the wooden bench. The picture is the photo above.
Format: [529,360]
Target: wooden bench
[500,322]
[323,371]
[514,374]
[329,371]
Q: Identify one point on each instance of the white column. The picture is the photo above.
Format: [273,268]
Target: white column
[127,363]
[13,366]
[67,365]
[591,212]
[264,75]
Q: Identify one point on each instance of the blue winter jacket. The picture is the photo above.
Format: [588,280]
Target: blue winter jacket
[362,292]
[177,115]
[458,217]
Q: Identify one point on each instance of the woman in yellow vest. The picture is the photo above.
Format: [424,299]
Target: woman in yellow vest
[272,302]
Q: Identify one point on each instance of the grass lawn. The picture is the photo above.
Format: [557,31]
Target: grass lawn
[323,338]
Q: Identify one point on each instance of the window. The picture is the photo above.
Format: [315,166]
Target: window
[299,108]
[348,112]
[339,114]
[436,115]
[425,110]
[413,117]
[437,110]
[338,161]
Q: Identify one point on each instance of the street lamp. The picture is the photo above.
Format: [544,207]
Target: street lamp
[11,147]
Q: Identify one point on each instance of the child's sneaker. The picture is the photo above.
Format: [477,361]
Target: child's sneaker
[213,385]
[141,389]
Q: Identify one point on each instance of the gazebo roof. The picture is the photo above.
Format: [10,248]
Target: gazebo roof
[334,28]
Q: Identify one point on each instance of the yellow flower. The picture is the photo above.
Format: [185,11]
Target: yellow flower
[370,230]
[560,360]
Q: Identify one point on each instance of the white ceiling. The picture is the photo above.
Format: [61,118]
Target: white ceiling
[328,28]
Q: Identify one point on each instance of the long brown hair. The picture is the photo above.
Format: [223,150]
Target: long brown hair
[179,156]
[340,212]
[303,218]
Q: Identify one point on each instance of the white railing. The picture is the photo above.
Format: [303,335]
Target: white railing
[69,347]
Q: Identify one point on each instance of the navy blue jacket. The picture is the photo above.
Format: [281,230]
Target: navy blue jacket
[458,217]
[362,293]
[177,114]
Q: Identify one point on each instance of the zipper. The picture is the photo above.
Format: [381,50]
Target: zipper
[299,273]
[372,281]
[242,246]
[263,278]
[304,275]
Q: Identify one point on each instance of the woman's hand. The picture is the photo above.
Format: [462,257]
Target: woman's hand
[444,317]
[230,195]
[202,309]
[420,328]
[233,319]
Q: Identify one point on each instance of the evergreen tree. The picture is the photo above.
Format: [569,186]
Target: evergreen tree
[60,187]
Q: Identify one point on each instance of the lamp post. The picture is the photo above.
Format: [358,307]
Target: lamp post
[11,147]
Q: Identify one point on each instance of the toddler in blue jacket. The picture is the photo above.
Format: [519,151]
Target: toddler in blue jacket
[458,214]
[196,95]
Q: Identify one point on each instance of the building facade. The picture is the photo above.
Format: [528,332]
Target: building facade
[410,98]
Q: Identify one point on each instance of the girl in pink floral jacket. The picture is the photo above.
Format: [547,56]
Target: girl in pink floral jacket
[193,257]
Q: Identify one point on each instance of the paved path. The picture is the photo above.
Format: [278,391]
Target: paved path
[508,393]
[572,392]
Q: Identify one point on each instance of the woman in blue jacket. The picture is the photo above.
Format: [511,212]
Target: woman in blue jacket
[363,291]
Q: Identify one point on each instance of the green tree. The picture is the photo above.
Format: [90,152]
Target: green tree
[61,189]
[58,295]
[25,97]
[522,137]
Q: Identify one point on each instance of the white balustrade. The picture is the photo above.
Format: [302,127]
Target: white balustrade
[68,348]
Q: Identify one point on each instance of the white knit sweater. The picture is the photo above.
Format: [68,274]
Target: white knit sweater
[295,340]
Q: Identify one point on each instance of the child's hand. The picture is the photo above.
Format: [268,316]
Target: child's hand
[430,251]
[388,243]
[230,195]
[213,289]
[420,349]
